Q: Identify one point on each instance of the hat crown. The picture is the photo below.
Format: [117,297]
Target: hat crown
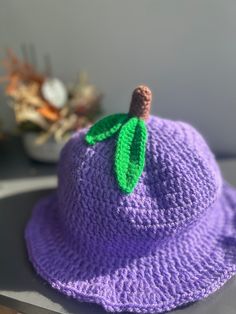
[180,181]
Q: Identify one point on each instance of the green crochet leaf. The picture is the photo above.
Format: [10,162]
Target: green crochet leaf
[105,128]
[130,154]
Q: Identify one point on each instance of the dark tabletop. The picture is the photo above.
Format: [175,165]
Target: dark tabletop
[14,162]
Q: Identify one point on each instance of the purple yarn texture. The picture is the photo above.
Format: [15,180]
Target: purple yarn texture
[170,242]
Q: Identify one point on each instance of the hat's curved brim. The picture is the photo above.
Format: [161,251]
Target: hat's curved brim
[181,271]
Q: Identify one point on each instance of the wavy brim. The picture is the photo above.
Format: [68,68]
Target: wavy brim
[185,269]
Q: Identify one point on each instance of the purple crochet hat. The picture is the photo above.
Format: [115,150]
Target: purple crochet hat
[142,220]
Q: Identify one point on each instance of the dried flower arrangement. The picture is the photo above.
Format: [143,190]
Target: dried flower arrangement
[45,105]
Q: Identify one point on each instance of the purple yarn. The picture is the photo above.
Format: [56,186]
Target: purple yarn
[168,243]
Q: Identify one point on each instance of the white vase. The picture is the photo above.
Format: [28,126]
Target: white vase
[47,152]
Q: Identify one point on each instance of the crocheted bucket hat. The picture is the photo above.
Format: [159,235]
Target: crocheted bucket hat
[142,220]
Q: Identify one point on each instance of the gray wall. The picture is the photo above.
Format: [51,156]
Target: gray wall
[184,50]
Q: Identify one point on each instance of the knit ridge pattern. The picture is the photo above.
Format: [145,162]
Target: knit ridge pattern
[168,243]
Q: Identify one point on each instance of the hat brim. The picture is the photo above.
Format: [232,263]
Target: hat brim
[183,270]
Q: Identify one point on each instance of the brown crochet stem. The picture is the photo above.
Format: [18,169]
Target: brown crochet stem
[141,102]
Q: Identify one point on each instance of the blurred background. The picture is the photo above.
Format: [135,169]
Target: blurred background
[184,50]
